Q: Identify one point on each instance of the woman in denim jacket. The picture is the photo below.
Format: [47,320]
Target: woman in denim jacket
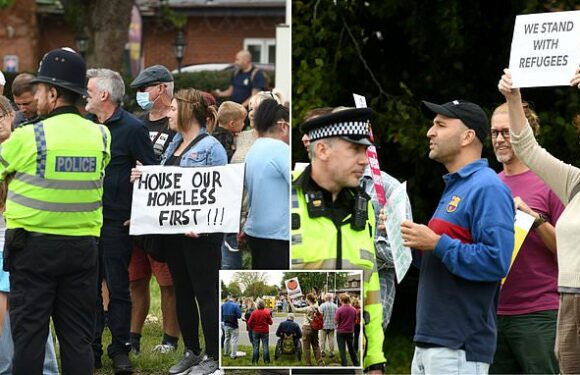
[194,260]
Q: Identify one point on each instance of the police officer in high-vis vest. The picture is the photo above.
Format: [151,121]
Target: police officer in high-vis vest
[53,218]
[332,218]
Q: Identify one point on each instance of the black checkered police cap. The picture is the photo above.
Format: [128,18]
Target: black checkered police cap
[472,115]
[351,124]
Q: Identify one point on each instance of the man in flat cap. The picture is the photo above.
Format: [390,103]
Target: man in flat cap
[332,217]
[464,251]
[53,219]
[154,87]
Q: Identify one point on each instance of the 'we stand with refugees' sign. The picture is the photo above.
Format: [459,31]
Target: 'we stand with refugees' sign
[545,49]
[178,200]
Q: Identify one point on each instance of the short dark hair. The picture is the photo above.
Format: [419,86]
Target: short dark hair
[67,96]
[268,113]
[22,83]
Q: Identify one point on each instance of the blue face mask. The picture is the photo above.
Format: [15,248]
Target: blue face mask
[143,101]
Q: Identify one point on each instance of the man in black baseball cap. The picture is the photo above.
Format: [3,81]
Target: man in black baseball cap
[465,249]
[469,113]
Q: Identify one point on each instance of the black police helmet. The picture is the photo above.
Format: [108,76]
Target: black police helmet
[63,68]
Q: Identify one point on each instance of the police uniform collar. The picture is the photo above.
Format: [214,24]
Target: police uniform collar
[61,111]
[469,169]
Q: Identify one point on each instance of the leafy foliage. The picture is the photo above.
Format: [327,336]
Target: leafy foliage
[399,52]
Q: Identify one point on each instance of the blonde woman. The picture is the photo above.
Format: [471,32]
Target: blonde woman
[194,260]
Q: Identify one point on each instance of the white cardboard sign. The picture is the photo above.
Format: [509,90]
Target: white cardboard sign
[169,200]
[545,49]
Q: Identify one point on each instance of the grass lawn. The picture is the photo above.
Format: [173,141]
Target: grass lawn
[283,361]
[398,350]
[147,362]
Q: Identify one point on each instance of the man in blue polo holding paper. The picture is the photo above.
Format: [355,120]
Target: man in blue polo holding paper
[464,251]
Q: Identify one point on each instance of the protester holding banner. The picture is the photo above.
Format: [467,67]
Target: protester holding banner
[564,180]
[194,260]
[309,335]
[385,264]
[529,300]
[464,251]
[267,181]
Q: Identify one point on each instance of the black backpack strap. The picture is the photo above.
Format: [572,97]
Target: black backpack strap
[194,142]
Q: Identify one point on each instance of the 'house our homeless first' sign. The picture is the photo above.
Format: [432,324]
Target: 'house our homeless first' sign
[178,200]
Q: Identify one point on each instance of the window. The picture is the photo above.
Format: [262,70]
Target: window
[263,50]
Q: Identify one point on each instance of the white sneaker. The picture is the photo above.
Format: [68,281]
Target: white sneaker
[164,348]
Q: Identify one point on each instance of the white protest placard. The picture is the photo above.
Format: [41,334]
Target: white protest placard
[170,200]
[293,288]
[396,212]
[545,49]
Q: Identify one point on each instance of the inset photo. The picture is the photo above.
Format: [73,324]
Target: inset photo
[289,319]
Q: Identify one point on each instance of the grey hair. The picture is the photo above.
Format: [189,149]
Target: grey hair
[330,141]
[110,81]
[260,304]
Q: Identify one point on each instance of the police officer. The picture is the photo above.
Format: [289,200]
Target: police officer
[53,218]
[332,218]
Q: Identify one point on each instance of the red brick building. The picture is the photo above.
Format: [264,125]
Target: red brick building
[215,31]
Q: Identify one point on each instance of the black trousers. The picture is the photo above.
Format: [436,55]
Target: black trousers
[115,248]
[194,264]
[53,275]
[269,254]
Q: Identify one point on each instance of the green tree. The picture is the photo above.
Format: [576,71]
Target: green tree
[246,279]
[399,52]
[259,289]
[234,289]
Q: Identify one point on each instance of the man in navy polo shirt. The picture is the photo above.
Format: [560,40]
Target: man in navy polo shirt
[246,81]
[465,250]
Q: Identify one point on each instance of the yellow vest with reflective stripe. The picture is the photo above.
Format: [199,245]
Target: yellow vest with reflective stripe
[314,246]
[58,167]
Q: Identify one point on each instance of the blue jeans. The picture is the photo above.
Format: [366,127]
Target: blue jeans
[7,351]
[265,338]
[231,342]
[231,255]
[445,361]
[115,249]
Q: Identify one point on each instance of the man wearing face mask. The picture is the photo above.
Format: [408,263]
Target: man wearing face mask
[154,87]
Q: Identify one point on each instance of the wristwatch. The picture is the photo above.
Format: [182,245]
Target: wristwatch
[540,220]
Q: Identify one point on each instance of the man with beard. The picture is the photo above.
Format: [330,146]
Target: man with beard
[529,300]
[464,251]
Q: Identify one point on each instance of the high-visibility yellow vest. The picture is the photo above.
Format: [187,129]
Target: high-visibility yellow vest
[315,244]
[58,167]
